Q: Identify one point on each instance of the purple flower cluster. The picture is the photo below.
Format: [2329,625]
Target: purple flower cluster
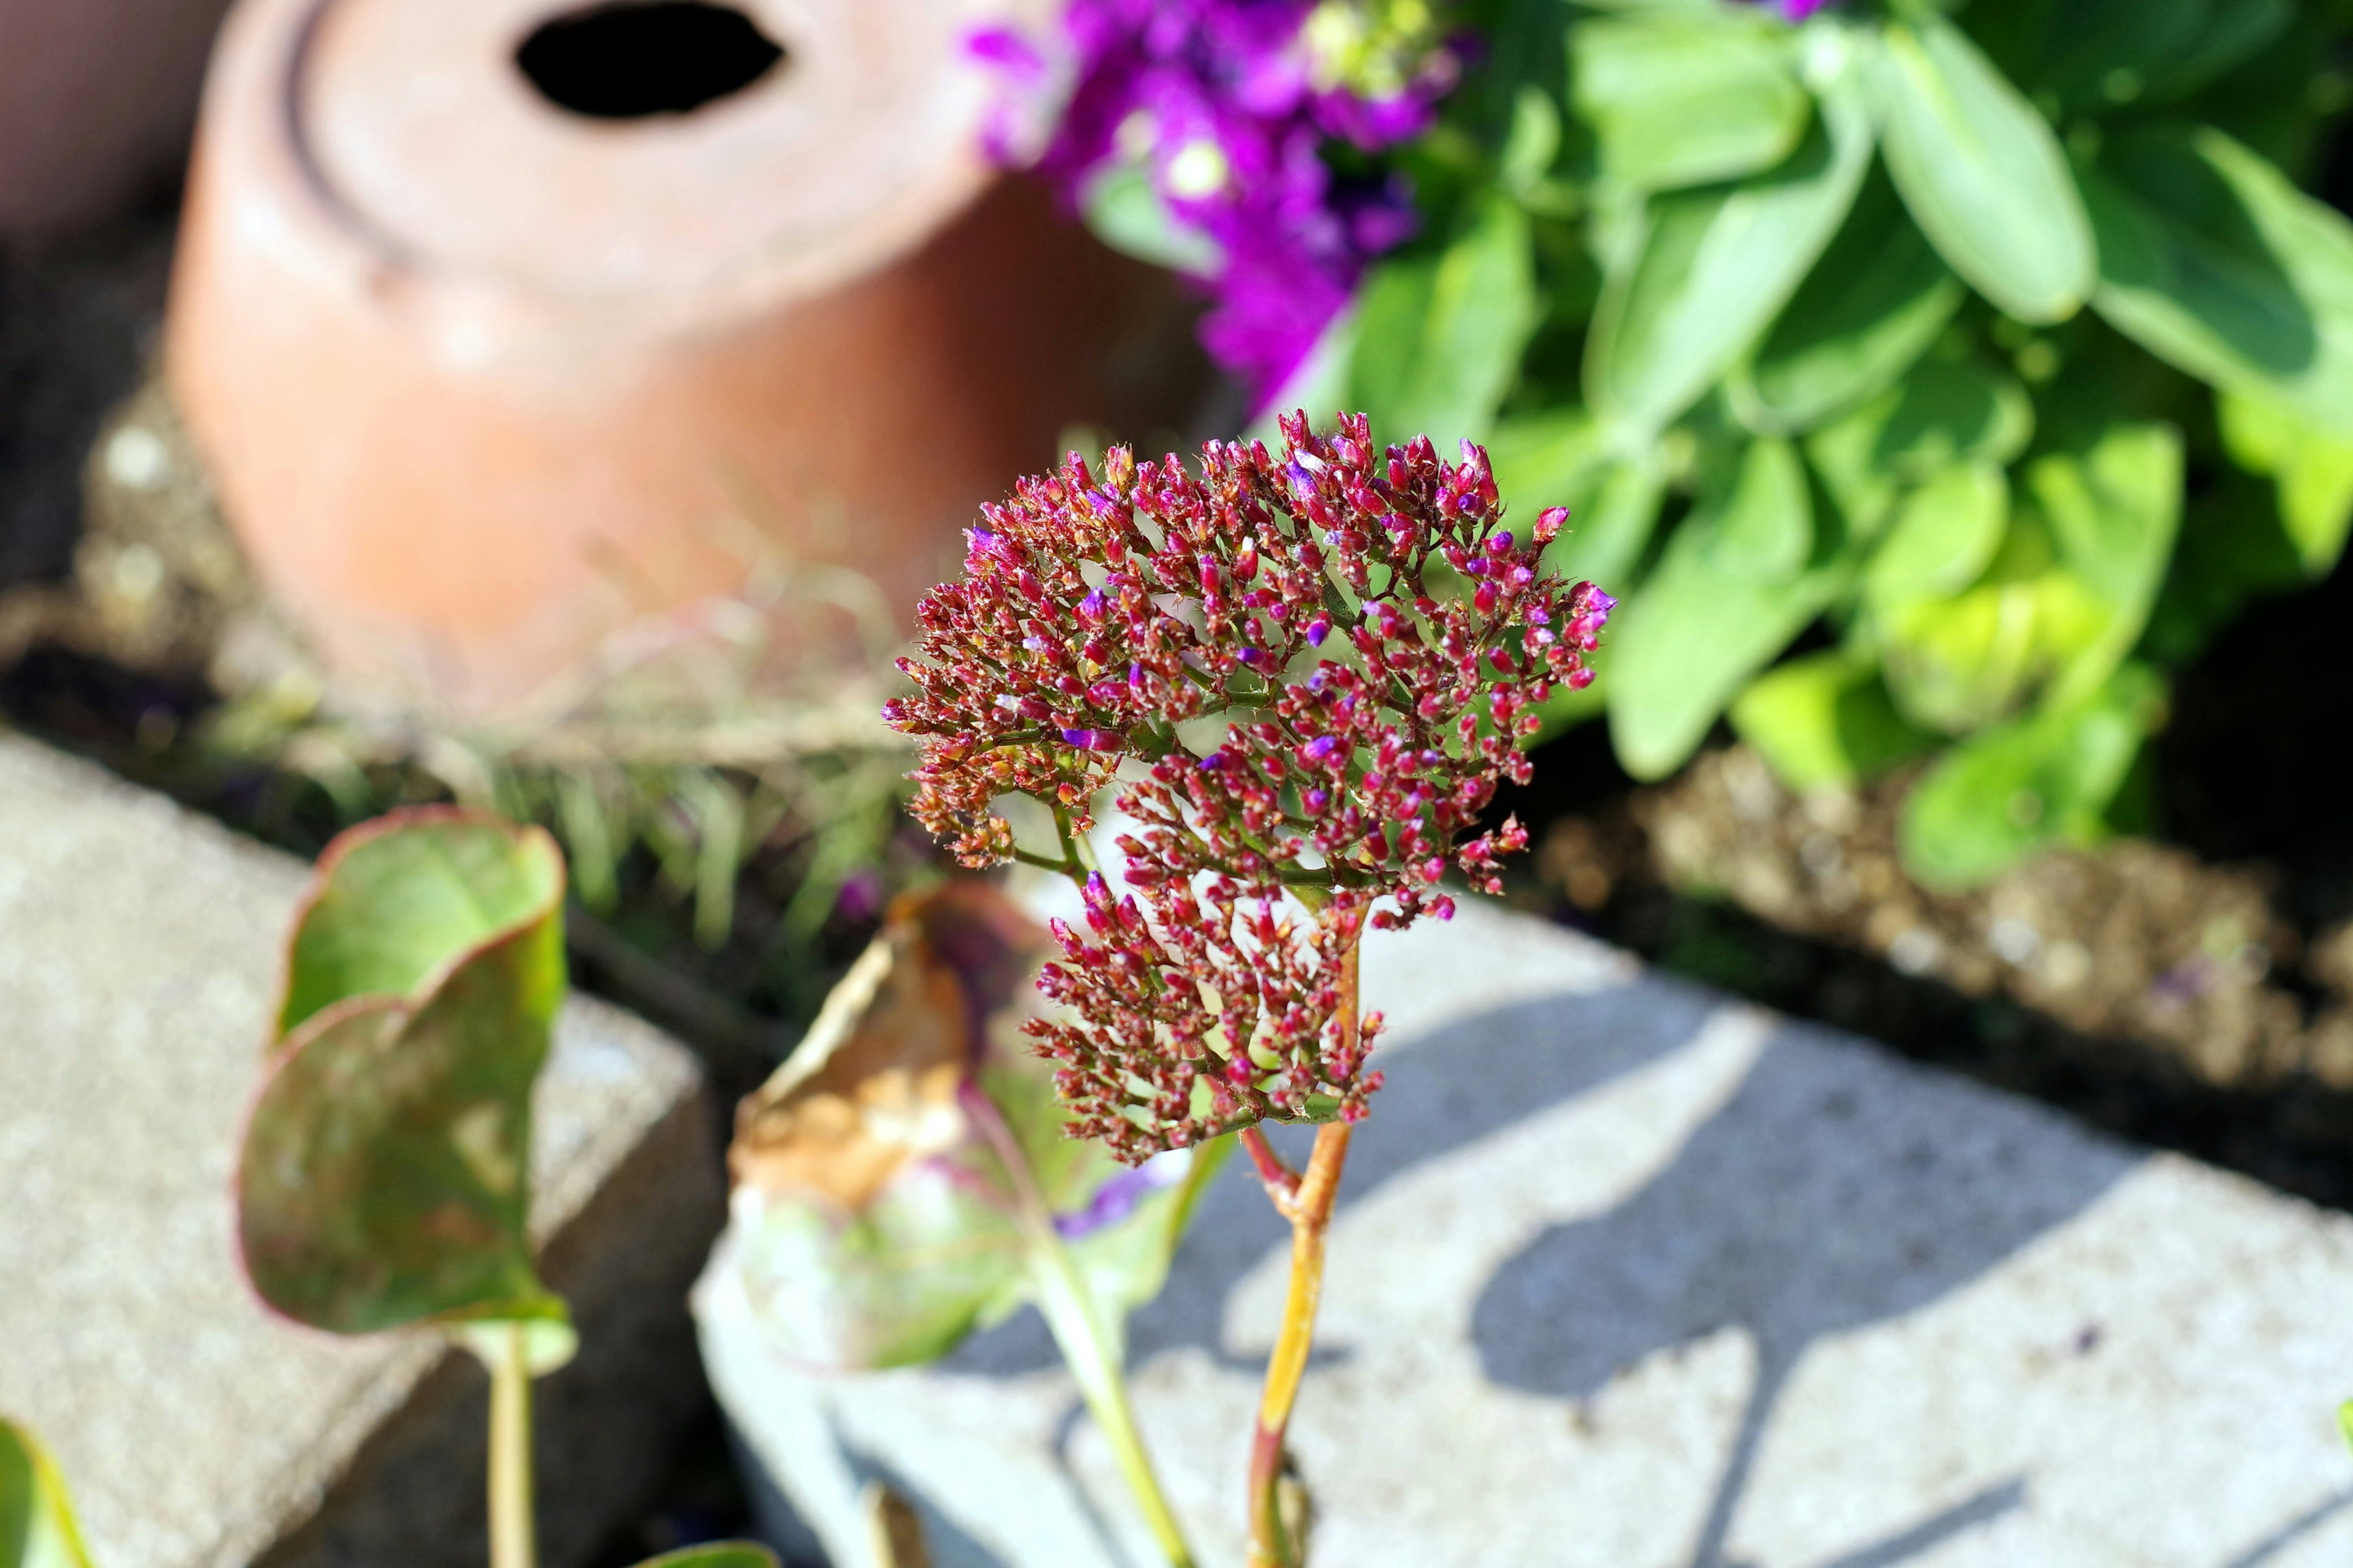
[1366,641]
[1230,105]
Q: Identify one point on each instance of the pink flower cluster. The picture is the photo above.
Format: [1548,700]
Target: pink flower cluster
[1306,673]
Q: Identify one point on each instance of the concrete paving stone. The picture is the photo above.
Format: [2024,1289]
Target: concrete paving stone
[1629,1274]
[138,963]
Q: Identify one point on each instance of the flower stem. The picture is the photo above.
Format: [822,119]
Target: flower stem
[1094,1350]
[1098,1362]
[513,1539]
[1282,1182]
[1310,1211]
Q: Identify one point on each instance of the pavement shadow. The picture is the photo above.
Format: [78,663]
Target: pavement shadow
[1833,1190]
[1454,1087]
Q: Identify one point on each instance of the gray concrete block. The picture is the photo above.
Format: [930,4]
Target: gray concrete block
[1626,1275]
[138,961]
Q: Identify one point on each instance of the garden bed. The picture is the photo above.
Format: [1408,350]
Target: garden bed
[2190,989]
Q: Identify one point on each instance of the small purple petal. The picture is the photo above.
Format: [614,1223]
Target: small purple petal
[1119,1198]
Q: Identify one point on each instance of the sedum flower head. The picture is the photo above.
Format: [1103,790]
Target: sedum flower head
[1305,673]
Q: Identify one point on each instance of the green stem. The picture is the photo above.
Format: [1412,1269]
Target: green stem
[1093,1350]
[512,1542]
[1099,1365]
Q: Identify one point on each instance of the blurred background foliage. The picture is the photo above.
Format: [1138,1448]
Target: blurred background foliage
[1930,380]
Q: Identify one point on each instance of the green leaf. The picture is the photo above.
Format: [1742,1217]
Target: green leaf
[2115,509]
[900,1279]
[2064,599]
[2234,547]
[1565,460]
[1684,645]
[1961,663]
[2112,53]
[2212,260]
[1125,212]
[2003,795]
[2105,51]
[2313,470]
[1869,308]
[1125,1265]
[537,1328]
[37,1518]
[1713,266]
[1686,101]
[1943,413]
[1981,173]
[1764,526]
[1439,339]
[875,1221]
[1531,146]
[1943,536]
[385,1174]
[1826,721]
[716,1554]
[395,897]
[1324,382]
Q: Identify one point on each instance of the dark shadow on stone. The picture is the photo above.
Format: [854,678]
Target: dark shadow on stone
[2279,1540]
[1461,1084]
[1958,1520]
[1837,1188]
[1829,1194]
[781,1528]
[949,1546]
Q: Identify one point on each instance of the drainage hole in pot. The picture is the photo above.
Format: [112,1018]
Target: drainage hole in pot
[644,58]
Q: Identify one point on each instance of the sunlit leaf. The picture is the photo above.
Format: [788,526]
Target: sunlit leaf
[2313,469]
[1565,459]
[1762,527]
[385,1174]
[2063,601]
[716,1554]
[2213,261]
[1870,307]
[2115,509]
[1678,100]
[1439,339]
[396,898]
[1981,173]
[1713,266]
[1684,645]
[1944,534]
[1826,721]
[875,1223]
[1943,413]
[868,1232]
[2007,792]
[1960,662]
[37,1518]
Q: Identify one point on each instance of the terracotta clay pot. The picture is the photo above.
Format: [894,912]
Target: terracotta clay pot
[487,381]
[96,98]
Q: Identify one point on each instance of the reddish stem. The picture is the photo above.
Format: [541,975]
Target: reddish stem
[1307,1203]
[1282,1182]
